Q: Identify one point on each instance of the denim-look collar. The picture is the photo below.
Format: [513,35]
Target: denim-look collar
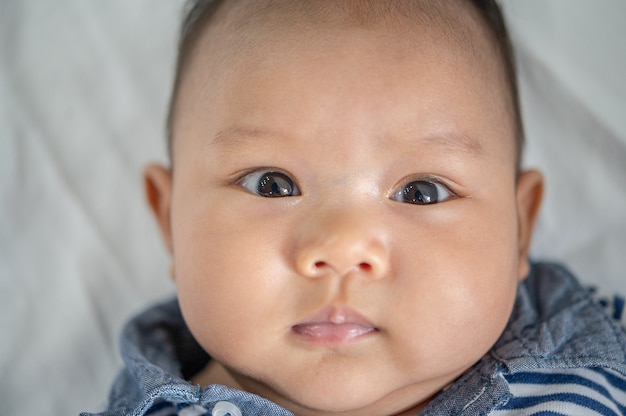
[554,324]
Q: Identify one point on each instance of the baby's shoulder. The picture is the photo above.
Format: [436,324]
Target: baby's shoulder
[557,321]
[562,349]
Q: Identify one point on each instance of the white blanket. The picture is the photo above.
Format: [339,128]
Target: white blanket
[83,90]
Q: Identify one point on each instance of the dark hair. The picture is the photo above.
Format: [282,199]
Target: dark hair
[198,14]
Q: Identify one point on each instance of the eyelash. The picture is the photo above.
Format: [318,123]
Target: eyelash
[418,191]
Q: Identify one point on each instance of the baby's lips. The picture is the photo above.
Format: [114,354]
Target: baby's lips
[334,325]
[328,332]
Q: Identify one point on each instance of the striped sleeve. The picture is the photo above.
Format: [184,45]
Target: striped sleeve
[582,391]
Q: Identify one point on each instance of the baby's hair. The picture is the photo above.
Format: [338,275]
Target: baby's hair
[198,14]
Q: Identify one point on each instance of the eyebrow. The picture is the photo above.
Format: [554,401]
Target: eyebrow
[238,134]
[456,141]
[234,136]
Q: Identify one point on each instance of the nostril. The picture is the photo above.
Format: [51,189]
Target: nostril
[321,266]
[364,267]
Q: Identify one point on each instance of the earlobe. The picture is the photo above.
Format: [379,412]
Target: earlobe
[529,196]
[158,189]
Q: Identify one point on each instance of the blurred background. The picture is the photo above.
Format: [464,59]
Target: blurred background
[84,86]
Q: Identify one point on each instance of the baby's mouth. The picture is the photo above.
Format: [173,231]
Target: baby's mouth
[334,325]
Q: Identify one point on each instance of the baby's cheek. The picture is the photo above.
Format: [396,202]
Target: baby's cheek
[226,285]
[473,322]
[461,300]
[212,317]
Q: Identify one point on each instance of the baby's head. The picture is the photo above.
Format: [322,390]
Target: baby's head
[346,216]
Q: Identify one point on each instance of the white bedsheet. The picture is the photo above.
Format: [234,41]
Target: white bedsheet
[83,91]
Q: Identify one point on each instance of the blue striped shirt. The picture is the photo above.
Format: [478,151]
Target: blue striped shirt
[576,391]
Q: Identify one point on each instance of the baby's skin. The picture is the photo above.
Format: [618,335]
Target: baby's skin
[346,221]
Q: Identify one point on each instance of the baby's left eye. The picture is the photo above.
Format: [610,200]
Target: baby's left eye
[422,192]
[269,184]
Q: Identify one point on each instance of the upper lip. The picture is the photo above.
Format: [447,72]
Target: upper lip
[336,315]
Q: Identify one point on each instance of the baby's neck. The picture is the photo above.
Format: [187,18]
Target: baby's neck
[215,373]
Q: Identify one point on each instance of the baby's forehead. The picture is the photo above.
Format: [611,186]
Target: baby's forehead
[237,31]
[242,29]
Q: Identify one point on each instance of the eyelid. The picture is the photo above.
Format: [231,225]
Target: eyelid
[239,176]
[449,185]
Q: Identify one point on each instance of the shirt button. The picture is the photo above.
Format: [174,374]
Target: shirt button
[225,409]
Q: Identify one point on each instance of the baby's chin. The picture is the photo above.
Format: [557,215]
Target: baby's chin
[317,396]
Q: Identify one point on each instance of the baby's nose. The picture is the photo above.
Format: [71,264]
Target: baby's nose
[342,243]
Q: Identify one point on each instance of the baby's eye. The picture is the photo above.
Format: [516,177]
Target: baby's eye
[269,184]
[422,192]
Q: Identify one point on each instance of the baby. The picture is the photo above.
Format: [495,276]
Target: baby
[349,226]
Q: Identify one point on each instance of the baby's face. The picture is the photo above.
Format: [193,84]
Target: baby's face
[346,226]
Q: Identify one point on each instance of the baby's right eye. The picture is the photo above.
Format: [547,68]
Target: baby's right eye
[269,184]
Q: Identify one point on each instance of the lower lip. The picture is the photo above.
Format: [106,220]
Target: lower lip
[326,333]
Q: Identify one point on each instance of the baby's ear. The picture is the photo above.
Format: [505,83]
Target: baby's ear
[529,196]
[158,188]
